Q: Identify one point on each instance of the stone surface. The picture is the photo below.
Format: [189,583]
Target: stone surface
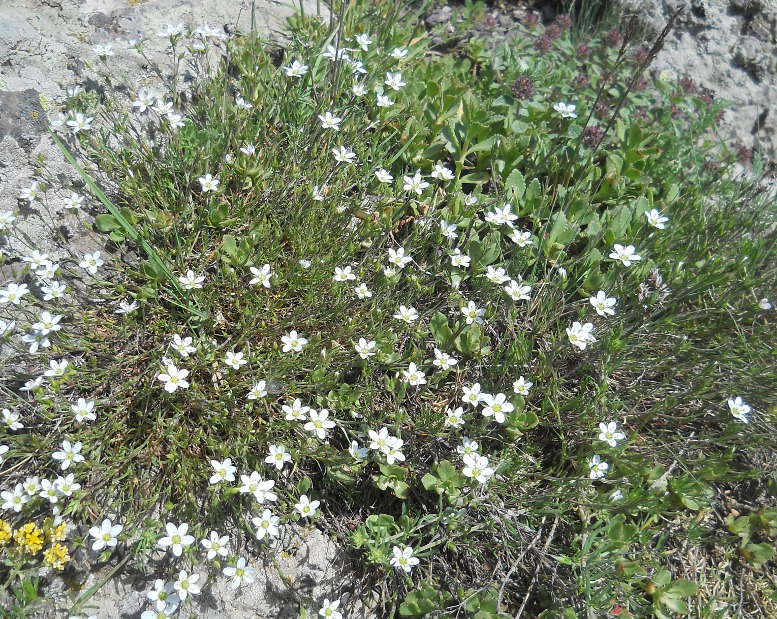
[728,47]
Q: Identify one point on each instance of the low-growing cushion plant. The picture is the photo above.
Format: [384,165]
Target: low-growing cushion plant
[494,315]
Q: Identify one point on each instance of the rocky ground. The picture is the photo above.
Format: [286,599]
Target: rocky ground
[728,47]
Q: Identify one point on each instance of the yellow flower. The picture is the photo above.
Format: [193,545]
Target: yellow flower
[56,557]
[29,538]
[6,533]
[57,533]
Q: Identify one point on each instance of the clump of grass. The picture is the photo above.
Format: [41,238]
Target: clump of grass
[512,341]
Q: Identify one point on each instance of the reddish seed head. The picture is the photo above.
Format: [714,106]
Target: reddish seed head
[523,87]
[564,22]
[543,44]
[613,38]
[553,31]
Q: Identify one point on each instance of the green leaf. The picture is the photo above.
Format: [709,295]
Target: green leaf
[682,588]
[429,482]
[562,232]
[105,222]
[516,184]
[441,332]
[304,484]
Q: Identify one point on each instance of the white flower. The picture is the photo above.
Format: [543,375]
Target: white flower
[394,452]
[66,486]
[476,467]
[454,417]
[626,254]
[496,406]
[608,432]
[183,346]
[335,54]
[414,376]
[403,558]
[597,468]
[91,262]
[357,452]
[6,219]
[171,30]
[383,101]
[359,89]
[15,500]
[365,348]
[103,50]
[208,183]
[521,238]
[399,52]
[344,155]
[305,264]
[278,456]
[581,335]
[31,193]
[306,507]
[415,183]
[36,259]
[186,585]
[517,291]
[764,304]
[381,440]
[240,573]
[242,103]
[69,454]
[567,110]
[258,391]
[655,219]
[175,121]
[362,291]
[146,99]
[249,149]
[459,260]
[383,176]
[407,314]
[174,378]
[330,121]
[11,420]
[442,173]
[163,596]
[472,395]
[329,610]
[501,216]
[36,339]
[266,524]
[296,412]
[177,538]
[448,230]
[443,360]
[399,258]
[319,423]
[4,449]
[47,323]
[13,293]
[319,195]
[473,313]
[293,342]
[47,271]
[79,122]
[106,535]
[127,308]
[603,304]
[739,409]
[56,368]
[261,489]
[362,40]
[191,281]
[261,276]
[49,491]
[496,275]
[235,360]
[343,274]
[394,81]
[296,69]
[224,471]
[83,410]
[165,108]
[522,386]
